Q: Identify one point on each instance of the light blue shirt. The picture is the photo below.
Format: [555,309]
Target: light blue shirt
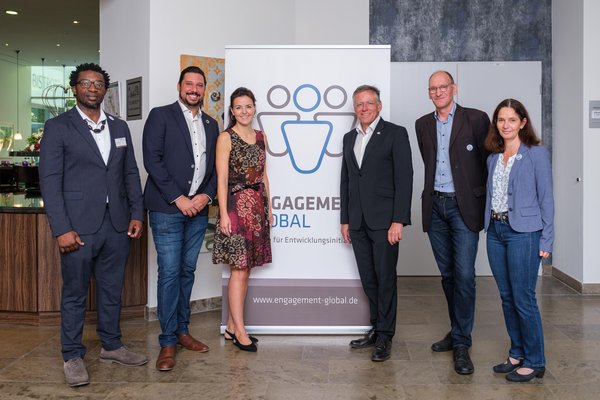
[443,169]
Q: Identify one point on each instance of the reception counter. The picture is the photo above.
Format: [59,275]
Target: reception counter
[30,275]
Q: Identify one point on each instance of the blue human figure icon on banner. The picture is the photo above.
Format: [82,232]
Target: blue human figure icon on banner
[306,141]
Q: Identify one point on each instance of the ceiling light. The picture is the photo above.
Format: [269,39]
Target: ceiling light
[75,22]
[57,44]
[11,12]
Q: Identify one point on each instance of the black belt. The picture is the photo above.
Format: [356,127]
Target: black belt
[239,188]
[501,216]
[444,194]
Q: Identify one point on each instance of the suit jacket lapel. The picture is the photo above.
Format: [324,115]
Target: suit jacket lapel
[374,139]
[353,135]
[457,123]
[83,130]
[431,130]
[183,127]
[209,138]
[521,154]
[112,128]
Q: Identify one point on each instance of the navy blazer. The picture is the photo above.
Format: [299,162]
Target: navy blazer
[467,156]
[530,198]
[380,191]
[169,158]
[75,182]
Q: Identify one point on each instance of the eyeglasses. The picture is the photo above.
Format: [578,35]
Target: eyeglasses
[441,88]
[86,83]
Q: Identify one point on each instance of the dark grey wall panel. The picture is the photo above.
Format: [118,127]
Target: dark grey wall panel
[469,30]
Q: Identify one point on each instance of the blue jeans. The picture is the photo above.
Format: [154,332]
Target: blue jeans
[515,262]
[178,240]
[454,247]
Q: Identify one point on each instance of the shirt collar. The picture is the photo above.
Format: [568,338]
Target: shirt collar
[371,127]
[187,110]
[450,114]
[86,118]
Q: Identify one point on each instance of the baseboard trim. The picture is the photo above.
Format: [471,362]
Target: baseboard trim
[197,306]
[583,288]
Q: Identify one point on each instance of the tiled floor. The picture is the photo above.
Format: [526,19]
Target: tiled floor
[323,367]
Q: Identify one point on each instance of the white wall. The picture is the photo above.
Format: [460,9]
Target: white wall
[567,99]
[145,38]
[591,141]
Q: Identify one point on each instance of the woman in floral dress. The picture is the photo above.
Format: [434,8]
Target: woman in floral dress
[242,239]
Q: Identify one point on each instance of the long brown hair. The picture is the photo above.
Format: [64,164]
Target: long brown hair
[239,92]
[495,143]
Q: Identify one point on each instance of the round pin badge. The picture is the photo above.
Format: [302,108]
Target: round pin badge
[519,156]
[470,147]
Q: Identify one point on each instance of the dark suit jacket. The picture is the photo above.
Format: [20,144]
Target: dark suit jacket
[468,159]
[381,190]
[169,158]
[75,182]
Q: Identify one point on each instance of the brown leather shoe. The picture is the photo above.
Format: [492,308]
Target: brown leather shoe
[166,358]
[187,341]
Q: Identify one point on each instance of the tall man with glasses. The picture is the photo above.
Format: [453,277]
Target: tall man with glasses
[93,199]
[453,201]
[376,194]
[179,154]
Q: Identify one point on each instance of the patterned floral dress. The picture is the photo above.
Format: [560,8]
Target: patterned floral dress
[249,244]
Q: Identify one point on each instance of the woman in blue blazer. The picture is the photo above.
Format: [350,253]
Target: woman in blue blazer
[519,220]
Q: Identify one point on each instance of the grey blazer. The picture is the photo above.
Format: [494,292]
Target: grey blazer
[530,198]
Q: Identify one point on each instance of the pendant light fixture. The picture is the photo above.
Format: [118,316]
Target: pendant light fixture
[17,135]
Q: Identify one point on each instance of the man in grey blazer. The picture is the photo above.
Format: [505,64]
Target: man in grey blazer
[375,197]
[93,199]
[451,141]
[179,146]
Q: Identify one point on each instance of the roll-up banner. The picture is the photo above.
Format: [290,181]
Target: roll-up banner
[304,105]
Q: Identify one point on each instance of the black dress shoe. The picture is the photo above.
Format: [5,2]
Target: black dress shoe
[507,366]
[230,336]
[367,341]
[443,345]
[245,347]
[462,362]
[383,350]
[516,377]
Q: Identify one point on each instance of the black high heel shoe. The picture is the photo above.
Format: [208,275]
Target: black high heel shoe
[507,366]
[516,377]
[232,336]
[245,347]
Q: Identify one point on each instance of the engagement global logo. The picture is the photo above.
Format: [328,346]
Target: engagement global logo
[306,123]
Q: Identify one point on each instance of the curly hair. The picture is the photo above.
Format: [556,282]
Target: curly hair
[74,77]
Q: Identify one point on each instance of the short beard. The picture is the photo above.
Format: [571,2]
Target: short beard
[187,103]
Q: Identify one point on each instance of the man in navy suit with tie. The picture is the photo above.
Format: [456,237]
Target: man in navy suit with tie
[179,154]
[375,194]
[93,199]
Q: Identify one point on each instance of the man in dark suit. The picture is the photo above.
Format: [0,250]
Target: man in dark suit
[93,199]
[453,200]
[376,192]
[179,154]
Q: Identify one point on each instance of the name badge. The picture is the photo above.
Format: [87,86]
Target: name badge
[120,142]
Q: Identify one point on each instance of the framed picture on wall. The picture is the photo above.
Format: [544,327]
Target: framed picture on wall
[134,98]
[112,100]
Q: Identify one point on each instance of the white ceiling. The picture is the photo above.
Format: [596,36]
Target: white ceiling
[41,24]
